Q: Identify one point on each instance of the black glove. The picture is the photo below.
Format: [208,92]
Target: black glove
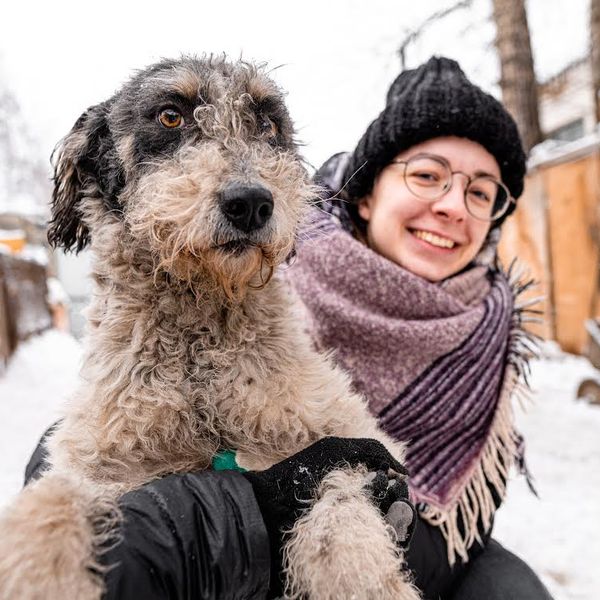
[282,492]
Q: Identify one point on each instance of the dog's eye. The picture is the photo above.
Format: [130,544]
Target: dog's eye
[267,127]
[170,118]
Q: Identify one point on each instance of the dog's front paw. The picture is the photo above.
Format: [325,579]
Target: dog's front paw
[48,541]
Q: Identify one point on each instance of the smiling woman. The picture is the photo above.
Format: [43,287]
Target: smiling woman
[400,280]
[436,237]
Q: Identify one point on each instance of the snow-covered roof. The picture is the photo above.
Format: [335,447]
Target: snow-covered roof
[551,152]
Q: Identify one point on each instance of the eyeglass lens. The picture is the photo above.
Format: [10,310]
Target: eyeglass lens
[429,179]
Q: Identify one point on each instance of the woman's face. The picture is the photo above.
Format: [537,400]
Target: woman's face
[432,239]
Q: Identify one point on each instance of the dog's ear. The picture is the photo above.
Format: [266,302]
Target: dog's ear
[75,161]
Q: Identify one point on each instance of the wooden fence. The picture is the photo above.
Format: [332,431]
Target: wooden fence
[23,307]
[555,232]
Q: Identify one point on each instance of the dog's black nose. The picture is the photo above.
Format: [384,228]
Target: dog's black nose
[247,206]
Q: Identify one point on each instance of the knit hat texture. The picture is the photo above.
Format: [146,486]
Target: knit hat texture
[435,100]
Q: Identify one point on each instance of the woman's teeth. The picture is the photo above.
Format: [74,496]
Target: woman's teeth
[434,240]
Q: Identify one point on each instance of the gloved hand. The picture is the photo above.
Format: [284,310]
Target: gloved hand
[283,491]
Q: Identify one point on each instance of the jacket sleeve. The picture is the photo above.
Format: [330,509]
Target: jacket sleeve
[187,536]
[38,462]
[195,535]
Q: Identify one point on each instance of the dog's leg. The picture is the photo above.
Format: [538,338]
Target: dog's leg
[49,538]
[342,548]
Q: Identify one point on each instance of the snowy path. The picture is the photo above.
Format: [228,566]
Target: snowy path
[39,377]
[559,534]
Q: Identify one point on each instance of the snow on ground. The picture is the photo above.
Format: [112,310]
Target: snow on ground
[39,377]
[557,534]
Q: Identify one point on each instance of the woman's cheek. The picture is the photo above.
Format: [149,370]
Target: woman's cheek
[480,235]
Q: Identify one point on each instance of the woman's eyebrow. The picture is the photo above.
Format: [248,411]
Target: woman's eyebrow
[480,173]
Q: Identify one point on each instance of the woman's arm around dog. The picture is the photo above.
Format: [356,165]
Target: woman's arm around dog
[194,535]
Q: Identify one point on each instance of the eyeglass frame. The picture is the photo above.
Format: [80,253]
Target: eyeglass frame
[509,199]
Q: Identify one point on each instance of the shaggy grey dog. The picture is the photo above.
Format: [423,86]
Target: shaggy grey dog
[188,187]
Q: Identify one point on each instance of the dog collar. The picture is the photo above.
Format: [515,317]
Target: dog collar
[224,460]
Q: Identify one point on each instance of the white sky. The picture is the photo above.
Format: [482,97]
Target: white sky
[338,56]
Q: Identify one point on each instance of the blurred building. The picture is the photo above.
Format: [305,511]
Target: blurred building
[26,305]
[566,100]
[556,229]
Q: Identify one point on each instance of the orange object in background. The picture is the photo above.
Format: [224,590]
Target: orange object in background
[555,232]
[14,239]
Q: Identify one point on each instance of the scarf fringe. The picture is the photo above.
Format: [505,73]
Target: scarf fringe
[475,506]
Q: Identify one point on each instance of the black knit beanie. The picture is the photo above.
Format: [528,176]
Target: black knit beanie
[435,100]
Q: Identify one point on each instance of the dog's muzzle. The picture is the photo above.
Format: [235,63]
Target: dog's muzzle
[247,207]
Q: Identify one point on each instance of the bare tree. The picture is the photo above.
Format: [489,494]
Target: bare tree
[517,81]
[415,33]
[595,52]
[23,174]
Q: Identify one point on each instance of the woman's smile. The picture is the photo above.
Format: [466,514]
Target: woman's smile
[433,239]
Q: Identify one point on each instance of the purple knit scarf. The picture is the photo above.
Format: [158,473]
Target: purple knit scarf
[433,361]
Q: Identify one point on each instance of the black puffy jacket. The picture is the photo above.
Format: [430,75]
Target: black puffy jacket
[193,536]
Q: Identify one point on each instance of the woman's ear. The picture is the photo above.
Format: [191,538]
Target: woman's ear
[364,207]
[75,176]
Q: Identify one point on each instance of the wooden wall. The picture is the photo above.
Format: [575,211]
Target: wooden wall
[23,305]
[555,232]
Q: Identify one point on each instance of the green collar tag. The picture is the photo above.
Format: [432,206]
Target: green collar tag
[224,460]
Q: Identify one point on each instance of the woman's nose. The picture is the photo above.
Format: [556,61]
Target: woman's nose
[452,204]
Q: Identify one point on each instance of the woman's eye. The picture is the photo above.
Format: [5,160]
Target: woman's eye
[425,176]
[480,195]
[267,127]
[170,118]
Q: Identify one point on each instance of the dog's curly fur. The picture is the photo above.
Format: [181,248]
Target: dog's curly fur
[192,345]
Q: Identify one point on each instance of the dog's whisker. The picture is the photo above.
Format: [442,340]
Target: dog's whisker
[337,194]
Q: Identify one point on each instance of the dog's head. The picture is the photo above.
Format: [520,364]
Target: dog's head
[195,158]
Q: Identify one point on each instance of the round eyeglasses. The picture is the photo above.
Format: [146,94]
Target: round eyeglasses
[429,177]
